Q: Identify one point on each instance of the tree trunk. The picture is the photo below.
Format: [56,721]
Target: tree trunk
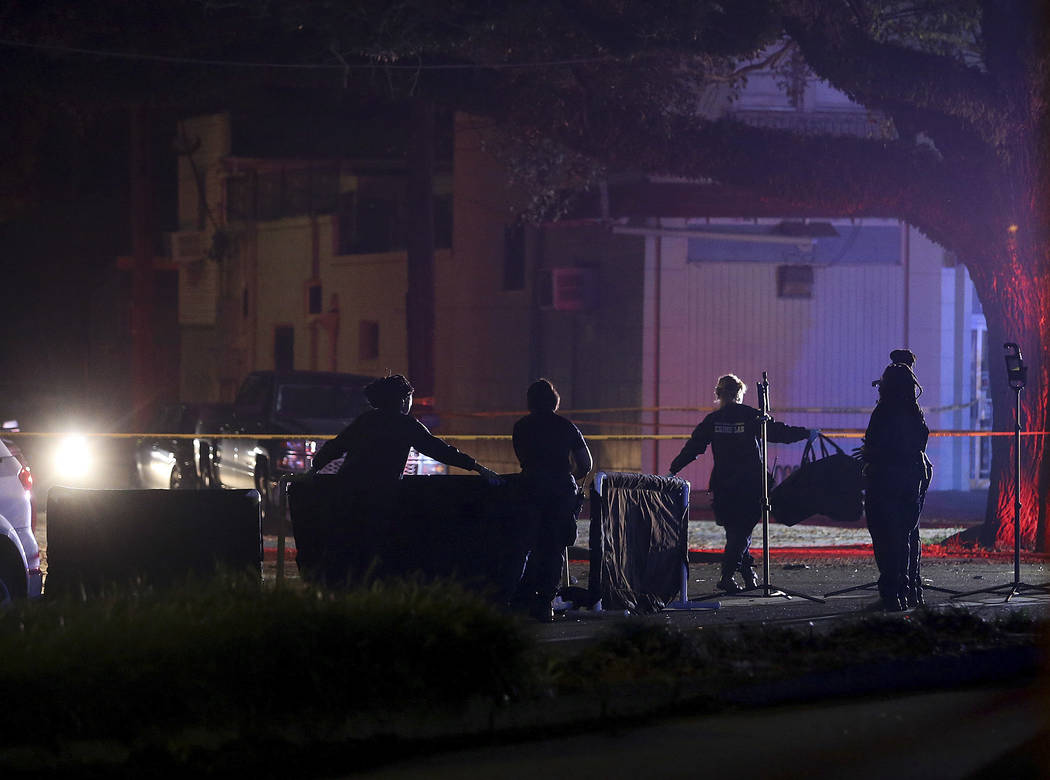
[1014,293]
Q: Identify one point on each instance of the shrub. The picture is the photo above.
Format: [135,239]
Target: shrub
[228,655]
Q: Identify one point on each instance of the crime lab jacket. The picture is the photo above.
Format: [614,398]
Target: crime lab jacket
[732,433]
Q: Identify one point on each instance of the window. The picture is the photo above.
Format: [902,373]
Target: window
[283,348]
[378,228]
[514,257]
[368,340]
[367,224]
[240,196]
[313,298]
[281,193]
[794,281]
[271,195]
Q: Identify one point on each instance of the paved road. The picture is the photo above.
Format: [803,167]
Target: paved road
[995,732]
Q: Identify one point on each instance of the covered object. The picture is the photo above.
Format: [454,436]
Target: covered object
[638,540]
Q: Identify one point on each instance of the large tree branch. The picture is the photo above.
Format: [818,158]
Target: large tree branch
[836,174]
[883,75]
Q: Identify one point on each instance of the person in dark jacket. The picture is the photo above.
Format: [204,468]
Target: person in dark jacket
[553,456]
[896,475]
[368,459]
[733,432]
[374,447]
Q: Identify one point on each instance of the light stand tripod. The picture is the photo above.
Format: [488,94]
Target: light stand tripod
[874,585]
[1017,376]
[763,408]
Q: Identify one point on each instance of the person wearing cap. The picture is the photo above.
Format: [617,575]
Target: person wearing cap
[896,474]
[368,459]
[553,456]
[732,431]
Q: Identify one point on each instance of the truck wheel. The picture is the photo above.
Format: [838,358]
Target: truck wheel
[262,484]
[206,478]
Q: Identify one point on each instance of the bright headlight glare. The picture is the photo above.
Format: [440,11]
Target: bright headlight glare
[73,456]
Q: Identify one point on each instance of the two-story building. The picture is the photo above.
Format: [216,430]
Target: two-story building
[289,262]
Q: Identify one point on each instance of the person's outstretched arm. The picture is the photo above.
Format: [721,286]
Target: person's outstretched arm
[333,448]
[433,447]
[786,434]
[696,446]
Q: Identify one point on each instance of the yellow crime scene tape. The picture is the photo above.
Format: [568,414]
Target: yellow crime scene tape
[843,434]
[846,433]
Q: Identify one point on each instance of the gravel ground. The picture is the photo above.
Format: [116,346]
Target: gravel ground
[705,535]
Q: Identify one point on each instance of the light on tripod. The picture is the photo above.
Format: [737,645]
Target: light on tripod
[1016,370]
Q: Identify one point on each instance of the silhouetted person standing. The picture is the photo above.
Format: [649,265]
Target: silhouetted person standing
[553,455]
[733,431]
[374,450]
[896,475]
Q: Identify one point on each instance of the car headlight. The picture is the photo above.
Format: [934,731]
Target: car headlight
[297,455]
[73,457]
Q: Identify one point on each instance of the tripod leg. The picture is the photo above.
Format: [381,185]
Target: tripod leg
[866,586]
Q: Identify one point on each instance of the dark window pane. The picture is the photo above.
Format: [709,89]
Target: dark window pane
[324,191]
[271,191]
[297,193]
[377,226]
[795,281]
[240,196]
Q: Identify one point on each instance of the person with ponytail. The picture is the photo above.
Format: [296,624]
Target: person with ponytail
[896,474]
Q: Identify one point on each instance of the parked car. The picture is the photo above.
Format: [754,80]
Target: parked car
[20,575]
[179,455]
[273,427]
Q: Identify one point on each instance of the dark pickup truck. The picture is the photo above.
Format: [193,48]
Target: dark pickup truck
[271,428]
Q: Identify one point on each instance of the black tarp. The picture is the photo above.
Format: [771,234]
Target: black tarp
[97,538]
[432,526]
[828,485]
[638,540]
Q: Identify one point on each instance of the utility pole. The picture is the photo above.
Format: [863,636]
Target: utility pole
[419,243]
[142,283]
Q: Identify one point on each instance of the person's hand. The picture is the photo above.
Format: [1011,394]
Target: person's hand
[671,474]
[813,433]
[490,476]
